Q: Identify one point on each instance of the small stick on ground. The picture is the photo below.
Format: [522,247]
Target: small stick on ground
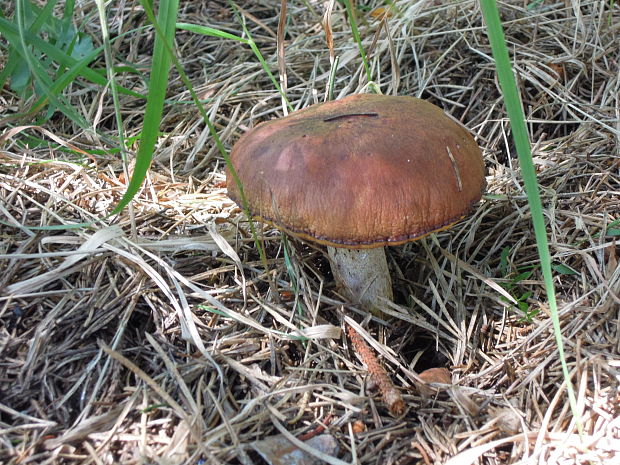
[391,395]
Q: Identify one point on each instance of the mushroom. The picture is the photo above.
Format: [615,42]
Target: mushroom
[358,174]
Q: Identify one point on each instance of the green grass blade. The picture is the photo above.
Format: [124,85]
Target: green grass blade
[357,38]
[249,41]
[44,16]
[213,132]
[522,144]
[205,30]
[41,78]
[145,157]
[20,39]
[331,82]
[158,82]
[10,66]
[107,48]
[209,31]
[259,55]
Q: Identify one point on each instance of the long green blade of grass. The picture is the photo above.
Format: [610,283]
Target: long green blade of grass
[522,144]
[111,73]
[158,82]
[357,38]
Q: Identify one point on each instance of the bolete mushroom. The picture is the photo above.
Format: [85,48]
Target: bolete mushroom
[358,174]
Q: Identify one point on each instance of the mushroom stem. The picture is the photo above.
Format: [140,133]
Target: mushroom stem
[362,275]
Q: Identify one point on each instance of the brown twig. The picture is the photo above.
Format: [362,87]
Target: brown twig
[391,395]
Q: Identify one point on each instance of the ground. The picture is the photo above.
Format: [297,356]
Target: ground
[160,335]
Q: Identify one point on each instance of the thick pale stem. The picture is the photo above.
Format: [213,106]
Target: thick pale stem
[362,275]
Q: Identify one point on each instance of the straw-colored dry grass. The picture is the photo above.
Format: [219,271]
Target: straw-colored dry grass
[159,336]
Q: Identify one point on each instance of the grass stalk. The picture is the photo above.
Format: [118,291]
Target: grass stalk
[356,36]
[522,143]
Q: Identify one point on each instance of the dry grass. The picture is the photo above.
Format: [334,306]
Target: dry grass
[159,337]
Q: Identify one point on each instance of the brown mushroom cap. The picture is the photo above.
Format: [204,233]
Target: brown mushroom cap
[365,171]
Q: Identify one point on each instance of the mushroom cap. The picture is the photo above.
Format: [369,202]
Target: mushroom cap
[365,171]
